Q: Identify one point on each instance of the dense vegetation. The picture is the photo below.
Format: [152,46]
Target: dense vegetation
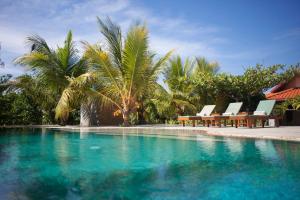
[123,73]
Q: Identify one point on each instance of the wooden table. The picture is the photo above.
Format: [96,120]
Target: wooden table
[242,118]
[215,120]
[189,118]
[263,119]
[252,119]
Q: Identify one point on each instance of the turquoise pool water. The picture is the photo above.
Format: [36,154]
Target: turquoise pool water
[36,164]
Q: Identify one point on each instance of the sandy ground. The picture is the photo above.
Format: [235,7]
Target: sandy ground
[290,133]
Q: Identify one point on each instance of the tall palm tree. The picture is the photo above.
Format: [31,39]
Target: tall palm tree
[51,67]
[118,72]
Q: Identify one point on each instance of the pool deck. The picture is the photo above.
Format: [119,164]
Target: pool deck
[288,133]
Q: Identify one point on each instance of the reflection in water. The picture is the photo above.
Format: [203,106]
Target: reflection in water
[266,149]
[208,144]
[57,165]
[234,145]
[83,134]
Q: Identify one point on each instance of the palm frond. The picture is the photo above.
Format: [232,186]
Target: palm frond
[113,36]
[204,66]
[99,62]
[158,66]
[38,44]
[135,57]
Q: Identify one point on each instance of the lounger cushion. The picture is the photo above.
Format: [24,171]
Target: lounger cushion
[233,108]
[266,106]
[228,114]
[206,110]
[259,113]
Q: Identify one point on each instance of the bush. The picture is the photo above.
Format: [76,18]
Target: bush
[18,109]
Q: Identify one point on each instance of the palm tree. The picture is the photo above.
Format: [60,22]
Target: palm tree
[178,74]
[206,67]
[177,97]
[203,77]
[118,73]
[52,67]
[183,95]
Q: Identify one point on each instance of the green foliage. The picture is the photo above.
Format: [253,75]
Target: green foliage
[4,82]
[185,93]
[133,118]
[204,66]
[150,113]
[293,104]
[178,77]
[18,108]
[290,103]
[249,87]
[51,66]
[25,111]
[38,93]
[191,85]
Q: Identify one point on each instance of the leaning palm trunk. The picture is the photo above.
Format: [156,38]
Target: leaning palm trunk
[84,118]
[89,115]
[126,117]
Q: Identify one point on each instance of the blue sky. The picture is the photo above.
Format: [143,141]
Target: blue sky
[236,34]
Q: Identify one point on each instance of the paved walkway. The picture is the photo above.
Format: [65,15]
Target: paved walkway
[291,133]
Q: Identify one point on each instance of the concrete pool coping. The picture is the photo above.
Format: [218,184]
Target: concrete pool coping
[288,133]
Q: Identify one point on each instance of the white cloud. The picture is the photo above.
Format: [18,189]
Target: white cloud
[86,11]
[169,25]
[12,40]
[184,48]
[52,20]
[10,69]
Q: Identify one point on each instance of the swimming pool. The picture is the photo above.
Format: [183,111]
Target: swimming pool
[50,164]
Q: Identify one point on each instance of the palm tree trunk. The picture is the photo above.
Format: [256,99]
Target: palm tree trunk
[126,117]
[94,114]
[89,115]
[84,116]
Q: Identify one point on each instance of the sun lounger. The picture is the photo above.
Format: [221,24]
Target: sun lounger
[206,111]
[216,119]
[241,119]
[262,113]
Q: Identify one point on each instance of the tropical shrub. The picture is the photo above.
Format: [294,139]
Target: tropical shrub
[293,104]
[222,88]
[17,107]
[181,96]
